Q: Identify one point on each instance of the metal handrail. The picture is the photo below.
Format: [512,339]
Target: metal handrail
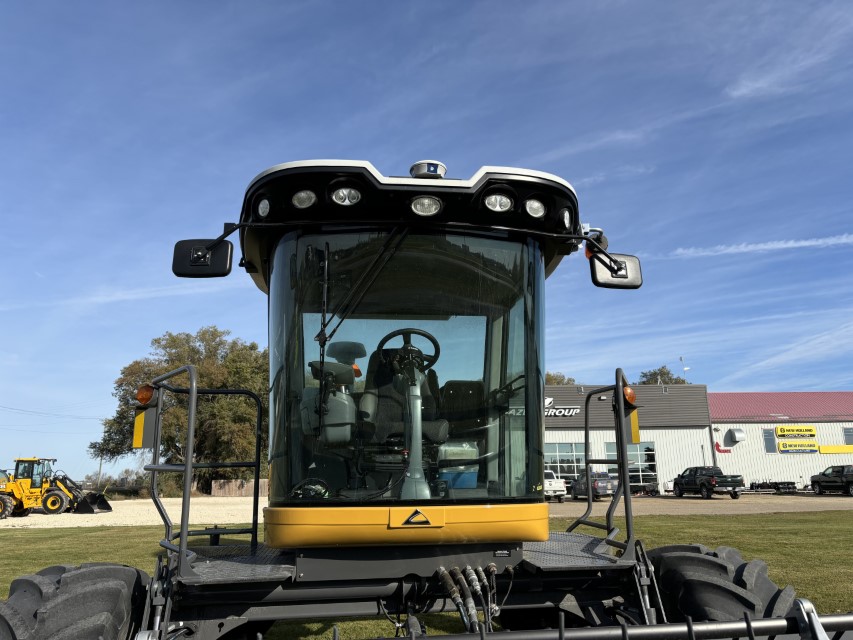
[626,546]
[187,468]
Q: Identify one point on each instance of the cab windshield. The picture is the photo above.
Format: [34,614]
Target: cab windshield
[406,367]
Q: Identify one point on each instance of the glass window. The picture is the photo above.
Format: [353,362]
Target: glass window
[848,435]
[565,459]
[642,463]
[770,441]
[424,389]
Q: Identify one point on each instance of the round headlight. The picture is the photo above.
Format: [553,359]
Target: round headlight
[303,199]
[426,205]
[346,196]
[534,208]
[263,208]
[498,202]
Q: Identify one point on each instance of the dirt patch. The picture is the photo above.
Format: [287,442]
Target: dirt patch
[231,510]
[127,513]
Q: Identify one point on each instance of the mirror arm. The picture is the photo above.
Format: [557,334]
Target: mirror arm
[229,228]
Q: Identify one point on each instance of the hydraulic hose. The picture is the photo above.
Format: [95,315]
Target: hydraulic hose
[470,606]
[453,592]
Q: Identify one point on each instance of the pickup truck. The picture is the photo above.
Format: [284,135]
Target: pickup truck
[835,478]
[554,487]
[602,485]
[706,481]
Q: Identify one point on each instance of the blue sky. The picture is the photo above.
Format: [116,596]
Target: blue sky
[711,140]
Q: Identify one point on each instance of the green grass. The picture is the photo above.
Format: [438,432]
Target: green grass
[813,552]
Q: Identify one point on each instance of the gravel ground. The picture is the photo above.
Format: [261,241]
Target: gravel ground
[209,511]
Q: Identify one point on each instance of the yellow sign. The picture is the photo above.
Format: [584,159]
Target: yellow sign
[796,431]
[797,446]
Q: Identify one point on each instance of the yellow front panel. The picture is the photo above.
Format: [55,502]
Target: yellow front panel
[289,527]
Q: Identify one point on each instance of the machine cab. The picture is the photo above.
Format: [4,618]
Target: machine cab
[406,346]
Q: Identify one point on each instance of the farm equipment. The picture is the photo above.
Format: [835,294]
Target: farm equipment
[35,485]
[406,328]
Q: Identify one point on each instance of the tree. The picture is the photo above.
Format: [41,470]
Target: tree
[557,378]
[661,375]
[225,425]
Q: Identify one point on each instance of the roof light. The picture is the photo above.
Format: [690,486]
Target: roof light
[303,199]
[629,394]
[498,202]
[534,208]
[346,196]
[263,208]
[426,205]
[428,169]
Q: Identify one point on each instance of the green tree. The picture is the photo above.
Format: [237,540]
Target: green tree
[225,425]
[557,378]
[661,375]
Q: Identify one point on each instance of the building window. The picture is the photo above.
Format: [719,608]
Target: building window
[565,459]
[848,435]
[642,464]
[770,441]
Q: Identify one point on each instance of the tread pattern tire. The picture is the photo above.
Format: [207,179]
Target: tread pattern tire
[6,506]
[90,602]
[54,502]
[717,585]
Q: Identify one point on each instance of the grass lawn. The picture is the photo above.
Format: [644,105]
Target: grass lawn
[811,551]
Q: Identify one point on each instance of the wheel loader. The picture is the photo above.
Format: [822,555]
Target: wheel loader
[35,485]
[406,342]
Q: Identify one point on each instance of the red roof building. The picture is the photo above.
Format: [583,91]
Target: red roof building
[782,406]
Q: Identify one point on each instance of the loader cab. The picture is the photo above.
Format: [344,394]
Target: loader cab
[33,470]
[406,346]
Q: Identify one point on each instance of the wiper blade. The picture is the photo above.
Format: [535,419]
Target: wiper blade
[362,285]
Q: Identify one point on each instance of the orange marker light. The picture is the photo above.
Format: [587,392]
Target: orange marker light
[356,370]
[144,394]
[629,394]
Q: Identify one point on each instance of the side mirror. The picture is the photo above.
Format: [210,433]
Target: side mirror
[193,259]
[625,274]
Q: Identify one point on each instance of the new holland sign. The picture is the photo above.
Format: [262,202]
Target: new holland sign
[808,431]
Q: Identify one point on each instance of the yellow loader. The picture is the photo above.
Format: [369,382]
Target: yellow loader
[35,485]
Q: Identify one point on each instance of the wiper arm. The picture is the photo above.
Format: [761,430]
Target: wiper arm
[362,285]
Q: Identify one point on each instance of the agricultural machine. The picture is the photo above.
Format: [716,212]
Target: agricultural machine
[406,341]
[35,485]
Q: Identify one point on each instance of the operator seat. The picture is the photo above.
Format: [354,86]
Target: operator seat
[383,409]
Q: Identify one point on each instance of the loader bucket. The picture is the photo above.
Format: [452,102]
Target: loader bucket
[93,503]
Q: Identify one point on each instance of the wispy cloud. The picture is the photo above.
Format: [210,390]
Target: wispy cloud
[620,173]
[763,247]
[112,296]
[787,68]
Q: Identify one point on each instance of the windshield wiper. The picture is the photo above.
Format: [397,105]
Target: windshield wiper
[361,287]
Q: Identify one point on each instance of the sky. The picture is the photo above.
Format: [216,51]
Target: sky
[713,140]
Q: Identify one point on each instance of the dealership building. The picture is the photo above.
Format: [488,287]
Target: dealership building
[763,436]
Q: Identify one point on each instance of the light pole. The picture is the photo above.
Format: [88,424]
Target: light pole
[684,368]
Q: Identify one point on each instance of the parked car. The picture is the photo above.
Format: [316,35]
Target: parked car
[706,481]
[601,485]
[554,487]
[835,478]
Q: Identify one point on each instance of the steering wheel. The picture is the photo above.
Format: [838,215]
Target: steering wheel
[410,352]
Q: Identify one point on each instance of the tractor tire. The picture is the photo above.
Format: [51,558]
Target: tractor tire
[716,586]
[678,491]
[7,506]
[22,513]
[89,602]
[54,502]
[817,488]
[706,492]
